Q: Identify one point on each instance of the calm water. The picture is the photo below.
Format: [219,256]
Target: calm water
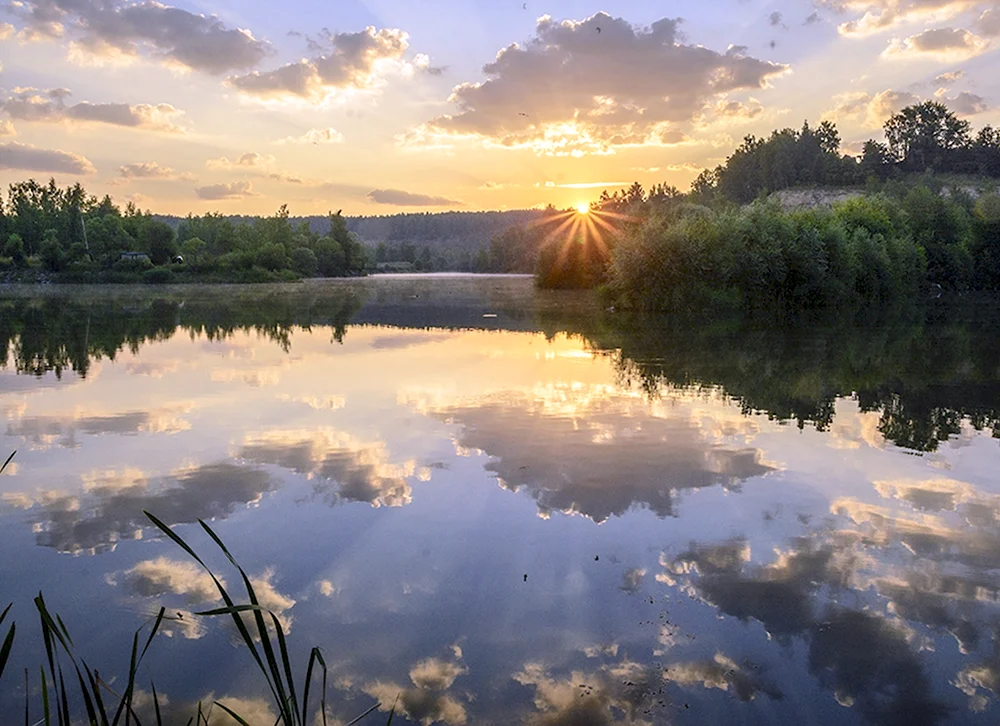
[511,507]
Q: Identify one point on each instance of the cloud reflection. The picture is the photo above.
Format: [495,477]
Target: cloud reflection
[343,469]
[593,452]
[109,507]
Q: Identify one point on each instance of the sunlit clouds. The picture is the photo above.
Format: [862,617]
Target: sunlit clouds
[378,114]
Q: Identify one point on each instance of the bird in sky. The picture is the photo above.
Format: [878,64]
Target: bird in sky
[598,28]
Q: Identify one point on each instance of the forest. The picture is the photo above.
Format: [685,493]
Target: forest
[911,228]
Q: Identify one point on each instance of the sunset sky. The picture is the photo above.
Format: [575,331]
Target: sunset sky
[381,106]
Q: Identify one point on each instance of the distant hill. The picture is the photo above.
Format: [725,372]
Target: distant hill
[440,231]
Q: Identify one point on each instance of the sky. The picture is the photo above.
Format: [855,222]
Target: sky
[385,106]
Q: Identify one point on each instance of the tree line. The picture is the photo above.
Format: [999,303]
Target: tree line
[66,233]
[906,235]
[922,138]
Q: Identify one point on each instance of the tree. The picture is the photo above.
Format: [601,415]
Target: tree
[918,134]
[158,239]
[876,159]
[51,251]
[14,248]
[304,261]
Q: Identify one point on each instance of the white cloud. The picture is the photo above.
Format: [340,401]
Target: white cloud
[151,170]
[315,136]
[872,111]
[25,157]
[49,106]
[572,90]
[226,190]
[249,160]
[7,128]
[358,61]
[875,16]
[944,44]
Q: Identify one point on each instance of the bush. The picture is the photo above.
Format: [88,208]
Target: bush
[304,261]
[158,276]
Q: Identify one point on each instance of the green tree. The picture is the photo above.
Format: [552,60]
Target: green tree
[14,248]
[304,261]
[51,251]
[918,135]
[158,239]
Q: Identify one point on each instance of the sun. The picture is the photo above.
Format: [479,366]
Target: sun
[582,208]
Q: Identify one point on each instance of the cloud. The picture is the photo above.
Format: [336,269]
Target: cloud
[14,155]
[632,579]
[109,507]
[151,578]
[400,198]
[945,44]
[358,61]
[875,16]
[948,78]
[168,34]
[572,91]
[7,128]
[226,190]
[151,170]
[6,31]
[427,702]
[250,160]
[610,454]
[342,468]
[812,18]
[49,106]
[872,111]
[315,136]
[63,430]
[989,23]
[967,104]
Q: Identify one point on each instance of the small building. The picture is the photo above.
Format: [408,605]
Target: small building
[135,257]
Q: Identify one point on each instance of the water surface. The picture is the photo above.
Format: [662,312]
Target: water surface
[506,506]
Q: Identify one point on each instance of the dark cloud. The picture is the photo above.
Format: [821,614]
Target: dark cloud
[775,20]
[25,157]
[226,190]
[812,18]
[600,462]
[581,93]
[49,106]
[110,508]
[344,60]
[400,198]
[175,36]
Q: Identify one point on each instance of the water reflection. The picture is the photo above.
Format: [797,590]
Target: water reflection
[593,451]
[109,506]
[843,569]
[343,469]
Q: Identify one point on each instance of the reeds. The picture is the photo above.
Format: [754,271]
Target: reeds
[264,637]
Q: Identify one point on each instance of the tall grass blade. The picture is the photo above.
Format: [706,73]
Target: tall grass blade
[283,651]
[45,699]
[265,639]
[238,621]
[234,716]
[8,641]
[8,461]
[156,705]
[366,713]
[63,700]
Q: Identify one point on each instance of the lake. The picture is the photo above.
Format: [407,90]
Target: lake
[493,505]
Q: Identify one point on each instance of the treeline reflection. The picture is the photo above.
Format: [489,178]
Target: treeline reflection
[927,374]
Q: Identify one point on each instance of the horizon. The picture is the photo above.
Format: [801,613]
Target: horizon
[238,110]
